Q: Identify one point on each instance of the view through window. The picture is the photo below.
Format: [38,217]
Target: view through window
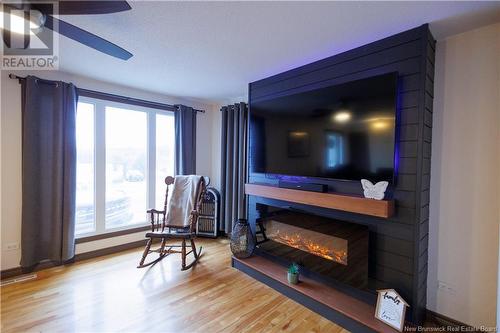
[124,153]
[85,200]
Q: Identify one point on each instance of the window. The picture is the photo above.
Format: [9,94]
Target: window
[124,153]
[85,171]
[165,148]
[126,167]
[334,150]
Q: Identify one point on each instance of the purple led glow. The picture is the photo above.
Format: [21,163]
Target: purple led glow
[286,65]
[291,178]
[285,177]
[396,139]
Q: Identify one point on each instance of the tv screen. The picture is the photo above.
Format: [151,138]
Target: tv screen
[343,131]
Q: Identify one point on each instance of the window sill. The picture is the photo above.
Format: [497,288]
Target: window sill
[111,234]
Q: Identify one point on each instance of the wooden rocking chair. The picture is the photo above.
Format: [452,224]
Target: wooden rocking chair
[175,226]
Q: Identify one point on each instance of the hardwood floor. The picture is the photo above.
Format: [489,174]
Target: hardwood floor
[109,294]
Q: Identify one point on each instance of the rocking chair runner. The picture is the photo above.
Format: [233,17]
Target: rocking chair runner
[179,223]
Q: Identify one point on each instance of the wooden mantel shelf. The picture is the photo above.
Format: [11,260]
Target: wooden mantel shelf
[348,203]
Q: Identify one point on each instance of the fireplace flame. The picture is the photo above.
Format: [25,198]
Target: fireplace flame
[303,243]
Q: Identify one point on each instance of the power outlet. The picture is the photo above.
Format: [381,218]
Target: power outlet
[446,287]
[12,246]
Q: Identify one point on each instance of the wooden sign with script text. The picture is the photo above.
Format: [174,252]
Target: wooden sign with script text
[391,308]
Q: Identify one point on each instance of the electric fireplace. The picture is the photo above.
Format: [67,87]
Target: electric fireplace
[322,245]
[334,249]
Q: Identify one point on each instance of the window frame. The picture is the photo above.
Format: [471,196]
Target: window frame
[100,163]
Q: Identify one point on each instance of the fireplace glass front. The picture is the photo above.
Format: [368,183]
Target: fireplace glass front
[333,249]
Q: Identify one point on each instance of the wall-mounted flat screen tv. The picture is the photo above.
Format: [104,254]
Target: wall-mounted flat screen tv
[344,131]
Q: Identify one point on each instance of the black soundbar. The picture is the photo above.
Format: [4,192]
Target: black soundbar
[303,186]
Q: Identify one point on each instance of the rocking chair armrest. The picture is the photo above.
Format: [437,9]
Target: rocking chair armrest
[157,219]
[155,211]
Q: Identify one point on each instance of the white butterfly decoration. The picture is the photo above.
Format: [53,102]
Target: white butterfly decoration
[376,191]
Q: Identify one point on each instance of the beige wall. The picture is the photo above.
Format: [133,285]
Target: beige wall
[465,197]
[10,180]
[498,206]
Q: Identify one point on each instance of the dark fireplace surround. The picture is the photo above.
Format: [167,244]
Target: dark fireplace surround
[379,252]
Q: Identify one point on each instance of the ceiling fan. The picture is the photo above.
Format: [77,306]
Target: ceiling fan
[40,15]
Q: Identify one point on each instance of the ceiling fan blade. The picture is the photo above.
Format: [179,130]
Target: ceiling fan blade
[75,7]
[92,7]
[86,38]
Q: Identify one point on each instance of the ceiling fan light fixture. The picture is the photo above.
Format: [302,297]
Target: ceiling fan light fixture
[37,20]
[16,21]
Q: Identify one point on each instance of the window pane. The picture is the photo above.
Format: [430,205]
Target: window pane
[165,140]
[126,165]
[85,199]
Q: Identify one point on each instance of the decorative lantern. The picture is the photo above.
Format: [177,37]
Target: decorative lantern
[242,240]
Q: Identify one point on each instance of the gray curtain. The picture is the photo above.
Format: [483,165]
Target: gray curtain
[185,140]
[48,171]
[233,164]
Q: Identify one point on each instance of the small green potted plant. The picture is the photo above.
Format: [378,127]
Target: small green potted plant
[293,274]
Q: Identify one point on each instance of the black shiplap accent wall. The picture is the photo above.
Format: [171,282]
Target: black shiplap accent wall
[398,245]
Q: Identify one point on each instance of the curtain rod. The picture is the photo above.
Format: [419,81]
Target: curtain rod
[115,98]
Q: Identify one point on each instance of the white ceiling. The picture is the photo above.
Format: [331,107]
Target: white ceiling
[212,50]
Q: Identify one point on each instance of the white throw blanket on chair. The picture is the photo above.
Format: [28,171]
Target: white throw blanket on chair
[183,200]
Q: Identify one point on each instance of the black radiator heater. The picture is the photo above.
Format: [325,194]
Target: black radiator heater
[208,220]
